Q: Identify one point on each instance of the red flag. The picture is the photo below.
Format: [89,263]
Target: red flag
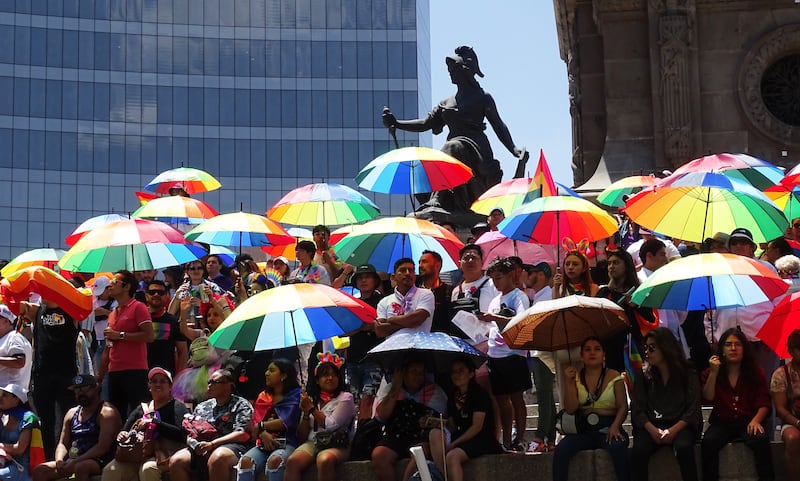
[145,197]
[542,184]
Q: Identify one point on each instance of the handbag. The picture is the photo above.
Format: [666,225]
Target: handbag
[368,433]
[139,444]
[332,439]
[198,428]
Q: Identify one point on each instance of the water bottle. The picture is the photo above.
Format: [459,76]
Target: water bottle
[192,443]
[74,452]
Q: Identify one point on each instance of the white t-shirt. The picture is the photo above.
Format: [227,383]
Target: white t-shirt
[397,305]
[517,300]
[487,292]
[11,344]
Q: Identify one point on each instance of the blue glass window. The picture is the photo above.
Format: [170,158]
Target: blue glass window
[273,158]
[180,55]
[22,45]
[380,68]
[242,153]
[133,53]
[37,93]
[334,108]
[350,99]
[195,106]
[319,108]
[288,159]
[164,53]
[150,53]
[258,54]
[394,55]
[38,46]
[288,108]
[102,9]
[272,13]
[6,96]
[134,10]
[258,116]
[117,9]
[226,56]
[211,56]
[164,105]
[117,51]
[69,150]
[133,154]
[258,156]
[195,56]
[211,155]
[288,59]
[227,109]
[149,155]
[86,50]
[69,97]
[116,103]
[304,108]
[211,103]
[20,151]
[273,108]
[164,145]
[273,58]
[349,60]
[149,11]
[85,152]
[242,108]
[333,59]
[7,40]
[333,15]
[102,51]
[226,13]
[349,14]
[149,103]
[22,93]
[52,150]
[165,11]
[116,151]
[303,58]
[180,105]
[133,103]
[242,57]
[288,14]
[37,149]
[211,12]
[180,151]
[180,13]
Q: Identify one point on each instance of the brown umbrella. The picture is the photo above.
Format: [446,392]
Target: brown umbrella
[565,322]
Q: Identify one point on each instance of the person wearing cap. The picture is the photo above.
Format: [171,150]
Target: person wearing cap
[87,437]
[717,244]
[538,281]
[169,348]
[16,354]
[166,414]
[496,216]
[409,309]
[19,423]
[364,378]
[130,328]
[103,305]
[232,416]
[281,264]
[477,231]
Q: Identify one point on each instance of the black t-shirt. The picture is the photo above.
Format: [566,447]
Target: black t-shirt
[441,312]
[54,335]
[170,418]
[477,401]
[161,352]
[363,341]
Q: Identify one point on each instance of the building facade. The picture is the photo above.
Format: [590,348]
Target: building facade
[656,83]
[99,96]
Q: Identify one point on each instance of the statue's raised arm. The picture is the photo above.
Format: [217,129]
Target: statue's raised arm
[465,114]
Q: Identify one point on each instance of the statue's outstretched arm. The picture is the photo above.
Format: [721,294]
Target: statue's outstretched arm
[500,128]
[416,125]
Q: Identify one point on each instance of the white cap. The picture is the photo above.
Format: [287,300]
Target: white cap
[100,285]
[16,390]
[6,312]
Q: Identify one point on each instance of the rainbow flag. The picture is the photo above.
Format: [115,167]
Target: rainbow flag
[633,363]
[145,197]
[36,448]
[542,184]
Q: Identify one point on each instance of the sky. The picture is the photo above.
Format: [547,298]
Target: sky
[517,49]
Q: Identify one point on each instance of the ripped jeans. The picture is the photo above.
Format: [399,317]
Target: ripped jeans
[260,459]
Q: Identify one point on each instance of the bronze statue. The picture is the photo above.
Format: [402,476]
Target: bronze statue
[464,114]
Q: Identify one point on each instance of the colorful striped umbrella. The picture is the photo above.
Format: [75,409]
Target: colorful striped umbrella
[613,194]
[288,250]
[290,315]
[413,170]
[756,172]
[240,229]
[175,209]
[46,257]
[191,180]
[511,194]
[91,224]
[382,242]
[495,244]
[323,203]
[696,205]
[51,286]
[133,244]
[783,319]
[709,281]
[787,197]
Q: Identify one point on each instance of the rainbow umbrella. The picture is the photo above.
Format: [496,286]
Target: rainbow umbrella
[288,250]
[694,206]
[613,195]
[787,197]
[783,319]
[324,203]
[756,172]
[50,285]
[510,194]
[240,229]
[413,170]
[382,242]
[709,281]
[91,224]
[174,209]
[193,181]
[495,244]
[46,257]
[133,244]
[291,315]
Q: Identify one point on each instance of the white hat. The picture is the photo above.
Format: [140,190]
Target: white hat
[6,312]
[100,285]
[16,390]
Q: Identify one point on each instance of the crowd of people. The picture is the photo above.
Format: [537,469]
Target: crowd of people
[155,384]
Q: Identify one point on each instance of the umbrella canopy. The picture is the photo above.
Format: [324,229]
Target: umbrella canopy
[288,250]
[226,255]
[191,180]
[613,194]
[752,170]
[786,197]
[240,229]
[784,319]
[436,349]
[547,220]
[413,170]
[46,257]
[91,224]
[564,323]
[325,203]
[175,209]
[290,315]
[382,242]
[48,284]
[495,244]
[696,205]
[133,244]
[510,194]
[709,281]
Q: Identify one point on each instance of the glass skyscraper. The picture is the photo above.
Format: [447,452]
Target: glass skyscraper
[99,96]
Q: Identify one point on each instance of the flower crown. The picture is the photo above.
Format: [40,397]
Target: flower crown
[328,357]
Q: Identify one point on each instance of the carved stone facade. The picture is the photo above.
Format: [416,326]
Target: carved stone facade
[656,83]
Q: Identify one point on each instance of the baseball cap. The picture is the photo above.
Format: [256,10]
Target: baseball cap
[741,233]
[365,269]
[6,312]
[479,227]
[542,267]
[721,237]
[159,370]
[82,380]
[17,391]
[498,209]
[100,285]
[281,259]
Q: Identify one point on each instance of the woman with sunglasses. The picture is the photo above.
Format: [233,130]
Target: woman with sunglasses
[165,414]
[192,288]
[665,406]
[275,422]
[596,395]
[737,389]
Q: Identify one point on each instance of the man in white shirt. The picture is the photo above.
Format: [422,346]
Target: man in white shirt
[15,352]
[409,308]
[671,251]
[538,282]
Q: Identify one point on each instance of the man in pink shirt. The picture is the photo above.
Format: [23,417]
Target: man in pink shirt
[125,356]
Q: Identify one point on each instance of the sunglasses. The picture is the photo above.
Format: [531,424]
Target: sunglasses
[211,382]
[156,292]
[650,348]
